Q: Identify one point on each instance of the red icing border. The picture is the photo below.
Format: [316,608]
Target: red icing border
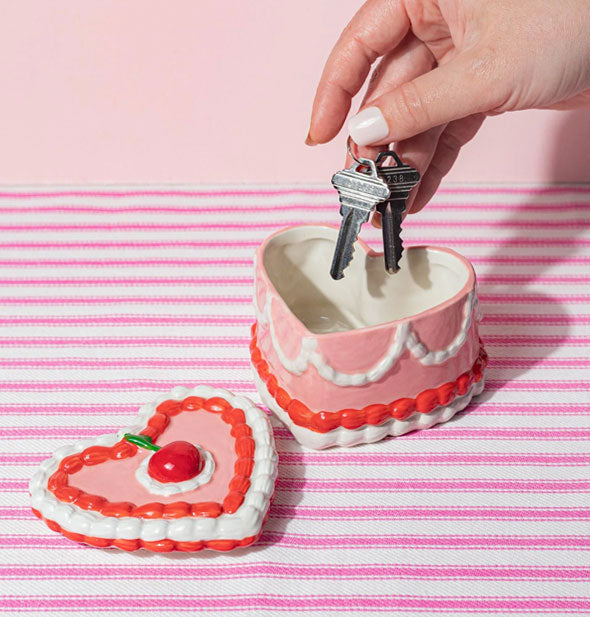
[160,546]
[94,455]
[400,409]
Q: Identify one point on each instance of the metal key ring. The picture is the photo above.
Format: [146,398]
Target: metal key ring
[349,150]
[368,163]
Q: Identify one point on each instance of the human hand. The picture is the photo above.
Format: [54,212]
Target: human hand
[445,65]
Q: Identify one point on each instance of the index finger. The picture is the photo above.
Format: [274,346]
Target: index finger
[378,27]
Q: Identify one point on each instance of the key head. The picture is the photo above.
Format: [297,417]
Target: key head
[400,178]
[360,189]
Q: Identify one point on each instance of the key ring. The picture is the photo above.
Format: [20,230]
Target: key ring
[349,150]
[368,163]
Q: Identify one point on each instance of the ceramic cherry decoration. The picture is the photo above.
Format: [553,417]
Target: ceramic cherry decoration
[177,461]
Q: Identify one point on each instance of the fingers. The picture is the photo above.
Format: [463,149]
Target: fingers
[408,60]
[455,90]
[450,142]
[377,27]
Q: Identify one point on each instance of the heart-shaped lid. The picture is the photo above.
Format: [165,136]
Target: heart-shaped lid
[196,470]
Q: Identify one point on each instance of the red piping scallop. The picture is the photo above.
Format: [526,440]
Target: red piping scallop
[400,409]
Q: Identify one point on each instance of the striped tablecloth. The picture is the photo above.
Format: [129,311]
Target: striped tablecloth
[110,297]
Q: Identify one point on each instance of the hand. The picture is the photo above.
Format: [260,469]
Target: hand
[445,65]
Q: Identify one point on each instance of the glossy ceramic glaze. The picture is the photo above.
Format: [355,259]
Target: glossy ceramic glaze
[370,338]
[91,493]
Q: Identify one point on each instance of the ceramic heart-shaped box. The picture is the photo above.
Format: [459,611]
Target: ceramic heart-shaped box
[352,361]
[103,491]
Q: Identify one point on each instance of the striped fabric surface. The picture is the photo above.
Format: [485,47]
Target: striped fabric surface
[111,297]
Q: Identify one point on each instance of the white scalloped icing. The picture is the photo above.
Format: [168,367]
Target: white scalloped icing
[245,522]
[404,338]
[342,436]
[174,488]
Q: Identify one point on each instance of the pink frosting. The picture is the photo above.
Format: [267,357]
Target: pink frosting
[115,480]
[356,351]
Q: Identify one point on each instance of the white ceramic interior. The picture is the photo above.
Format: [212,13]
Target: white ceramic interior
[297,262]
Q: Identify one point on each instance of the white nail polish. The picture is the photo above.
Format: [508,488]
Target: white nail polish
[368,126]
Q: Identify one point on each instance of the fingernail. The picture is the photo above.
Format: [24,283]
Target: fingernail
[309,141]
[368,126]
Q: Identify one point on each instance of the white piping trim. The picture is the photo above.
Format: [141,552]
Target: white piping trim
[405,338]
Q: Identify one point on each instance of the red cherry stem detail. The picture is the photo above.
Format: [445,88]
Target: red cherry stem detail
[143,441]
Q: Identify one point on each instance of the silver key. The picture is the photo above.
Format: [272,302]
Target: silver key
[359,193]
[400,179]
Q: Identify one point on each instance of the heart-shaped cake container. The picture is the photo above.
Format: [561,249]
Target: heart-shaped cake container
[371,355]
[97,491]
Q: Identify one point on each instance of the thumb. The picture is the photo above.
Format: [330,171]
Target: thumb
[460,88]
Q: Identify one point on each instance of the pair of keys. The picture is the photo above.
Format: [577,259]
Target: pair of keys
[365,186]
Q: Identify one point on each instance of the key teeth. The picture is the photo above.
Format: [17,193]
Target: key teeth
[399,250]
[337,269]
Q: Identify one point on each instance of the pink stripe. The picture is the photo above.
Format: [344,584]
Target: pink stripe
[168,281]
[447,432]
[118,386]
[446,190]
[533,298]
[505,243]
[405,513]
[539,340]
[205,363]
[515,190]
[107,263]
[489,318]
[503,409]
[433,458]
[532,318]
[287,602]
[238,364]
[466,190]
[251,225]
[318,542]
[247,299]
[475,409]
[131,281]
[326,571]
[419,485]
[230,262]
[67,410]
[232,206]
[153,244]
[549,363]
[119,320]
[163,300]
[519,385]
[444,432]
[21,458]
[507,279]
[531,261]
[234,363]
[408,485]
[218,341]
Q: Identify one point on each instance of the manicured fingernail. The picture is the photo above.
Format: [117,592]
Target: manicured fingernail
[368,126]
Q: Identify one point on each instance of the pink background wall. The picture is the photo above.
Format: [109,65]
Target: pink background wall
[125,91]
